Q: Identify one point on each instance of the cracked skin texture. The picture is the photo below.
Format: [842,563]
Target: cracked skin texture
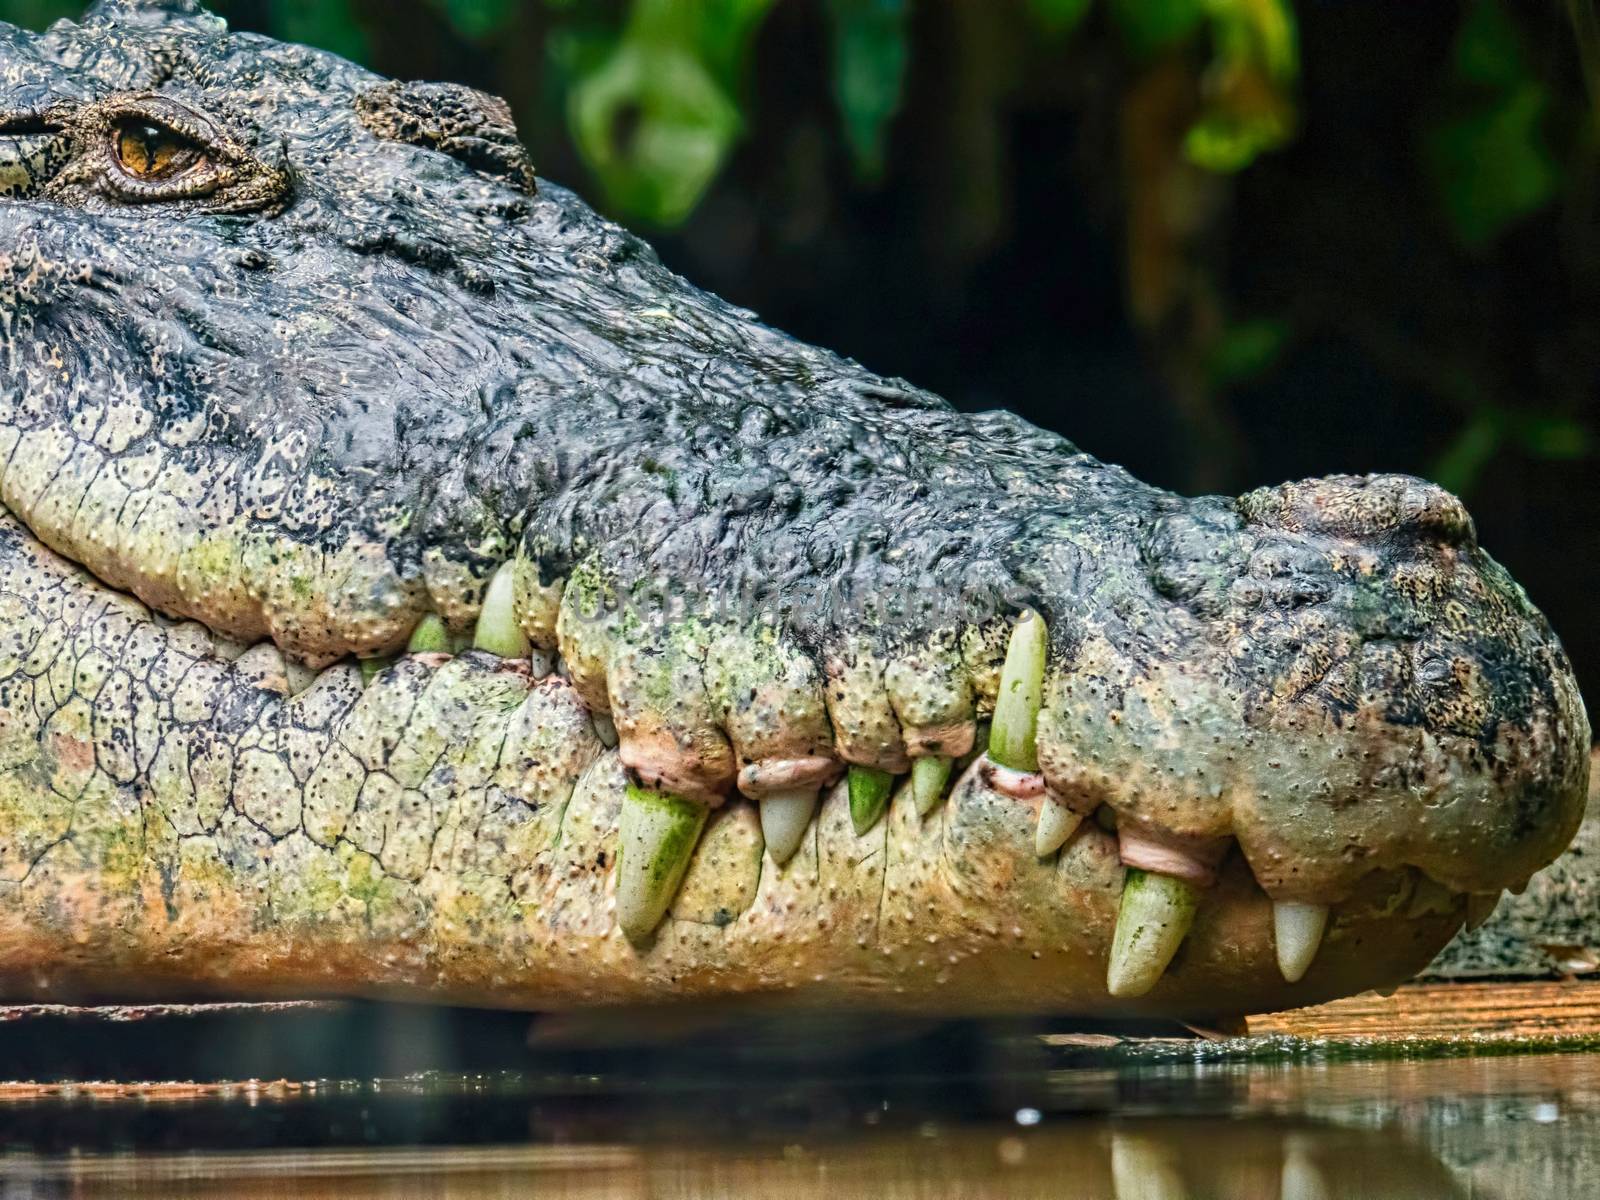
[328,377]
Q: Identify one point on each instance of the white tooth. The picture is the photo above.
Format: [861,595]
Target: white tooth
[1297,931]
[785,816]
[498,631]
[605,729]
[538,663]
[658,834]
[1143,1169]
[1156,913]
[1057,823]
[1480,907]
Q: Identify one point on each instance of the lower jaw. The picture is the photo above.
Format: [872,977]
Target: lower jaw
[951,915]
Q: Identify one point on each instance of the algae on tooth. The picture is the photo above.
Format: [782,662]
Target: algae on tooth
[929,775]
[429,637]
[498,630]
[1014,727]
[1152,922]
[657,836]
[869,796]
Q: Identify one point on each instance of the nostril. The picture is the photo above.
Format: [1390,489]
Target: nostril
[1359,506]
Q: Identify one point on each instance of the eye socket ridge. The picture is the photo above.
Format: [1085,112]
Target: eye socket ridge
[159,150]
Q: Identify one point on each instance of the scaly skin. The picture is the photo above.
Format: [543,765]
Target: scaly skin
[343,361]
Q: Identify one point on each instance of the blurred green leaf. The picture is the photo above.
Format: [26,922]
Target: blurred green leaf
[1057,17]
[1554,437]
[36,14]
[1249,86]
[656,118]
[1459,467]
[1488,156]
[1151,26]
[478,19]
[869,65]
[1248,348]
[1488,48]
[327,24]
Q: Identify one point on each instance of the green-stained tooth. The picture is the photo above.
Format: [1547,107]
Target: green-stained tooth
[928,778]
[1297,932]
[657,837]
[429,637]
[785,816]
[1057,823]
[498,630]
[372,667]
[869,795]
[1156,913]
[1016,709]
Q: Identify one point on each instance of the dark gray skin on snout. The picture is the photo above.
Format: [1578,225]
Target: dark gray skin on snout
[297,357]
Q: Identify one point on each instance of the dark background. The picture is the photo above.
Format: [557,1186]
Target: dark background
[1223,242]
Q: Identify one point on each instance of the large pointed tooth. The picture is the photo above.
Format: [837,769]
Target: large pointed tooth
[1057,823]
[929,775]
[429,637]
[1156,913]
[372,667]
[785,816]
[498,630]
[657,836]
[1480,907]
[1013,730]
[1297,932]
[869,796]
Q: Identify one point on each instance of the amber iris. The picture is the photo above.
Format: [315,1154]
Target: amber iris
[148,151]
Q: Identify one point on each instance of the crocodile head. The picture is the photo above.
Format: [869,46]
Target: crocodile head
[304,370]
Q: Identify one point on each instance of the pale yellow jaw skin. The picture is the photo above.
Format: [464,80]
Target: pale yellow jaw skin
[450,833]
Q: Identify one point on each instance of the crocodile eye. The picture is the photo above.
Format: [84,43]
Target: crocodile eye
[152,153]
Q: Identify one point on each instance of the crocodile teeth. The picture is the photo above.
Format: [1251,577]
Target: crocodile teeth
[1057,823]
[928,778]
[429,637]
[498,630]
[658,834]
[869,796]
[784,818]
[1156,913]
[1297,931]
[1480,907]
[1014,729]
[605,729]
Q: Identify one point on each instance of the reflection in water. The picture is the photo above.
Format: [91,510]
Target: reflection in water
[428,1104]
[1093,1159]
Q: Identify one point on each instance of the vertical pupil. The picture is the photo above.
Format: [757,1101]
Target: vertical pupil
[144,149]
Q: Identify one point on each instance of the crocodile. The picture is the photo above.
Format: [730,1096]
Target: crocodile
[410,588]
